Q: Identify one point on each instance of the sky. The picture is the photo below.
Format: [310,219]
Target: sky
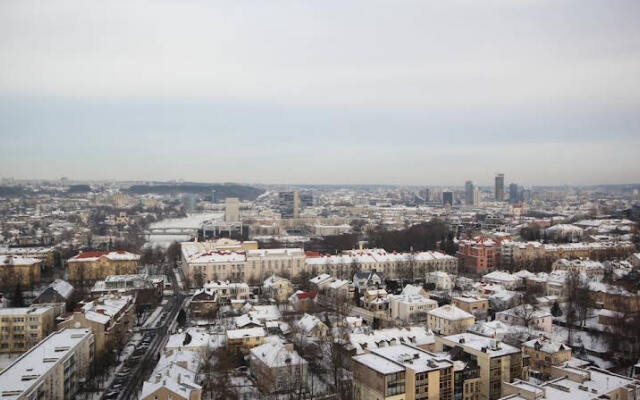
[355,92]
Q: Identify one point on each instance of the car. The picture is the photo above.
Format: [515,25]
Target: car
[111,395]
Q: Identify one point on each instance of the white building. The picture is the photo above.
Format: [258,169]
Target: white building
[410,307]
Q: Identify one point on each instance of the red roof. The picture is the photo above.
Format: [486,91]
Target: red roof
[312,254]
[307,295]
[91,254]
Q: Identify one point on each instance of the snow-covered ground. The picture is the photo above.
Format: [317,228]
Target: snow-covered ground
[151,320]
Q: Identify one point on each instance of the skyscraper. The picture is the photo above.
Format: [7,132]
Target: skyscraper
[499,187]
[468,193]
[514,196]
[289,204]
[447,198]
[231,209]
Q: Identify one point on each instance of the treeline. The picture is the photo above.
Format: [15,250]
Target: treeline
[432,235]
[243,192]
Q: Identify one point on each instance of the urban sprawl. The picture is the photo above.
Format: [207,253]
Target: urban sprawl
[193,291]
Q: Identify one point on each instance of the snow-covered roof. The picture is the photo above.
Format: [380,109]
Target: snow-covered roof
[413,358]
[199,339]
[272,280]
[546,345]
[500,276]
[479,343]
[320,278]
[450,312]
[33,310]
[379,364]
[242,333]
[23,374]
[415,336]
[412,290]
[91,256]
[17,260]
[308,322]
[274,355]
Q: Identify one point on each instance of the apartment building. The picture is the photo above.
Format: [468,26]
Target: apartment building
[479,255]
[402,372]
[202,261]
[245,339]
[95,265]
[527,254]
[449,320]
[544,353]
[410,307]
[277,367]
[18,269]
[23,327]
[497,362]
[111,318]
[46,255]
[391,265]
[575,383]
[52,369]
[475,305]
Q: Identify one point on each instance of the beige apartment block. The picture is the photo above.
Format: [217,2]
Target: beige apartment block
[53,369]
[96,265]
[449,320]
[23,327]
[498,362]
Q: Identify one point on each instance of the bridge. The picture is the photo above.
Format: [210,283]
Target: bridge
[193,232]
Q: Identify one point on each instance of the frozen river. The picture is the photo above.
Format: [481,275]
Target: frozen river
[190,221]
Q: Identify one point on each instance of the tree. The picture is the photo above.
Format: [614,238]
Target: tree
[173,253]
[18,298]
[556,311]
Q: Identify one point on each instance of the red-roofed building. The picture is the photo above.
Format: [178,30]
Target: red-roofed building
[303,301]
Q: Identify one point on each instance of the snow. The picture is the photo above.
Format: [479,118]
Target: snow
[478,343]
[249,332]
[274,355]
[415,336]
[63,288]
[53,349]
[450,312]
[378,364]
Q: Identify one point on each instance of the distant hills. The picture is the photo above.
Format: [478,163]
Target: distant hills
[243,192]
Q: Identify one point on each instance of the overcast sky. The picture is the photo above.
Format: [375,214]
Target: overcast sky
[406,92]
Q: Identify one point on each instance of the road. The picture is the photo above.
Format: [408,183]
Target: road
[141,369]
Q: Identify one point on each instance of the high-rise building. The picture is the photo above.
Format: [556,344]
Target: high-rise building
[213,195]
[468,193]
[514,196]
[289,204]
[447,198]
[231,209]
[499,187]
[476,197]
[306,199]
